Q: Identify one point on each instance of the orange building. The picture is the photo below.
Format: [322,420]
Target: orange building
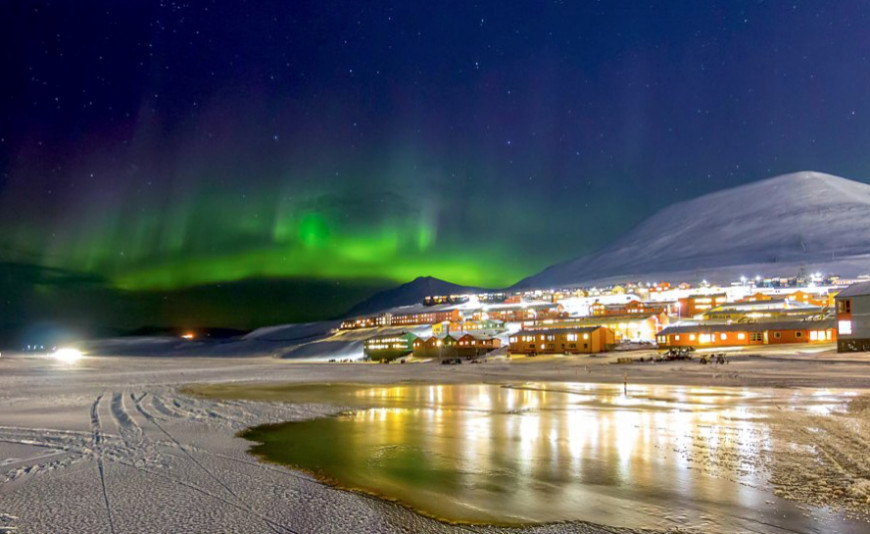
[770,333]
[519,312]
[429,317]
[632,326]
[435,347]
[756,297]
[471,345]
[697,304]
[630,308]
[589,339]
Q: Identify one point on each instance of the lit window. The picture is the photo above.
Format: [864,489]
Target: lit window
[691,337]
[677,337]
[814,335]
[741,336]
[572,337]
[704,338]
[845,328]
[585,336]
[723,336]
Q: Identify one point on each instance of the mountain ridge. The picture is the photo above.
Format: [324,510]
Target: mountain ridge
[409,293]
[806,217]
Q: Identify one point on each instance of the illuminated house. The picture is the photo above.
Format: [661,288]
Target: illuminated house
[697,304]
[519,312]
[428,317]
[372,321]
[389,346]
[470,345]
[630,308]
[434,300]
[483,326]
[729,335]
[404,319]
[636,327]
[435,347]
[853,318]
[762,310]
[574,340]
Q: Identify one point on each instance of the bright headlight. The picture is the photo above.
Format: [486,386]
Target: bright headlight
[67,355]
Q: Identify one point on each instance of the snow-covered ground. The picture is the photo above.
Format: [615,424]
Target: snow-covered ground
[108,444]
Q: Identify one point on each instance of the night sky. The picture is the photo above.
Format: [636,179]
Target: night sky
[161,146]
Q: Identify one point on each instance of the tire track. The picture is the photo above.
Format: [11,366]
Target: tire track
[130,432]
[96,429]
[274,526]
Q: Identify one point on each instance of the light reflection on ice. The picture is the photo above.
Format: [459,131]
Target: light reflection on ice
[550,452]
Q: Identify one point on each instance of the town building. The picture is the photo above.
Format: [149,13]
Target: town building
[853,318]
[573,340]
[473,345]
[483,326]
[389,346]
[737,334]
[763,310]
[693,305]
[519,312]
[435,347]
[627,327]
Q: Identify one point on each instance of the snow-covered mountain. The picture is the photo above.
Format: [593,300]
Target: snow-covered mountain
[771,227]
[412,292]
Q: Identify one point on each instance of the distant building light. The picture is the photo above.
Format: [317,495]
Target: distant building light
[844,328]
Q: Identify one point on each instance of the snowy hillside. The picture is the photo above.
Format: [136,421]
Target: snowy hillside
[803,219]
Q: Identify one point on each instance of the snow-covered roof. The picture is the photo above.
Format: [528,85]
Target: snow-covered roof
[855,290]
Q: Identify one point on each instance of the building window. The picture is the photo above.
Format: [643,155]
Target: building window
[845,328]
[723,336]
[704,338]
[691,337]
[741,336]
[798,334]
[585,336]
[844,306]
[777,335]
[572,337]
[814,335]
[677,337]
[756,336]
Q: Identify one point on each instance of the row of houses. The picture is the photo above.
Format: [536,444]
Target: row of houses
[742,334]
[392,346]
[495,312]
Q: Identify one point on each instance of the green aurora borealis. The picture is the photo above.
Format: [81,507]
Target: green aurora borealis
[168,243]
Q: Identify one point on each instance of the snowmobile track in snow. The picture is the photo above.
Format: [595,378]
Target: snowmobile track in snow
[274,526]
[96,427]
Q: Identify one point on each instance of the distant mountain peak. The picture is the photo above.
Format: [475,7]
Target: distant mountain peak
[409,293]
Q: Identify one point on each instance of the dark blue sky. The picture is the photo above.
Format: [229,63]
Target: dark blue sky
[166,144]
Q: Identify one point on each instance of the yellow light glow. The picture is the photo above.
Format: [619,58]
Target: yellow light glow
[67,355]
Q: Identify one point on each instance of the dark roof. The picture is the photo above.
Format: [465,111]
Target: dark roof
[581,330]
[748,327]
[476,336]
[855,290]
